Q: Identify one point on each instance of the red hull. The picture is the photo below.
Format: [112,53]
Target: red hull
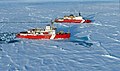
[62,36]
[57,36]
[72,21]
[34,36]
[87,21]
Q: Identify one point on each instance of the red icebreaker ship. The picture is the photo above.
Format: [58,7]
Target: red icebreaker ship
[47,33]
[72,19]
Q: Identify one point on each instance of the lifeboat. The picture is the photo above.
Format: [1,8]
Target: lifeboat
[47,33]
[72,19]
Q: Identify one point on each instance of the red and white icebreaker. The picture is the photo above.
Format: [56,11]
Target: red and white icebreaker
[47,33]
[72,19]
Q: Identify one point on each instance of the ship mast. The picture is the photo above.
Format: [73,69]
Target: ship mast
[52,24]
[79,14]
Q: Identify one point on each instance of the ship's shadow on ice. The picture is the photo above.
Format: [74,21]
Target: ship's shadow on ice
[82,43]
[78,42]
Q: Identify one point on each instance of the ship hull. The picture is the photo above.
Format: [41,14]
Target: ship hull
[55,36]
[72,21]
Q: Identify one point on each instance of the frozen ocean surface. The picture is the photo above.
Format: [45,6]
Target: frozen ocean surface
[92,47]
